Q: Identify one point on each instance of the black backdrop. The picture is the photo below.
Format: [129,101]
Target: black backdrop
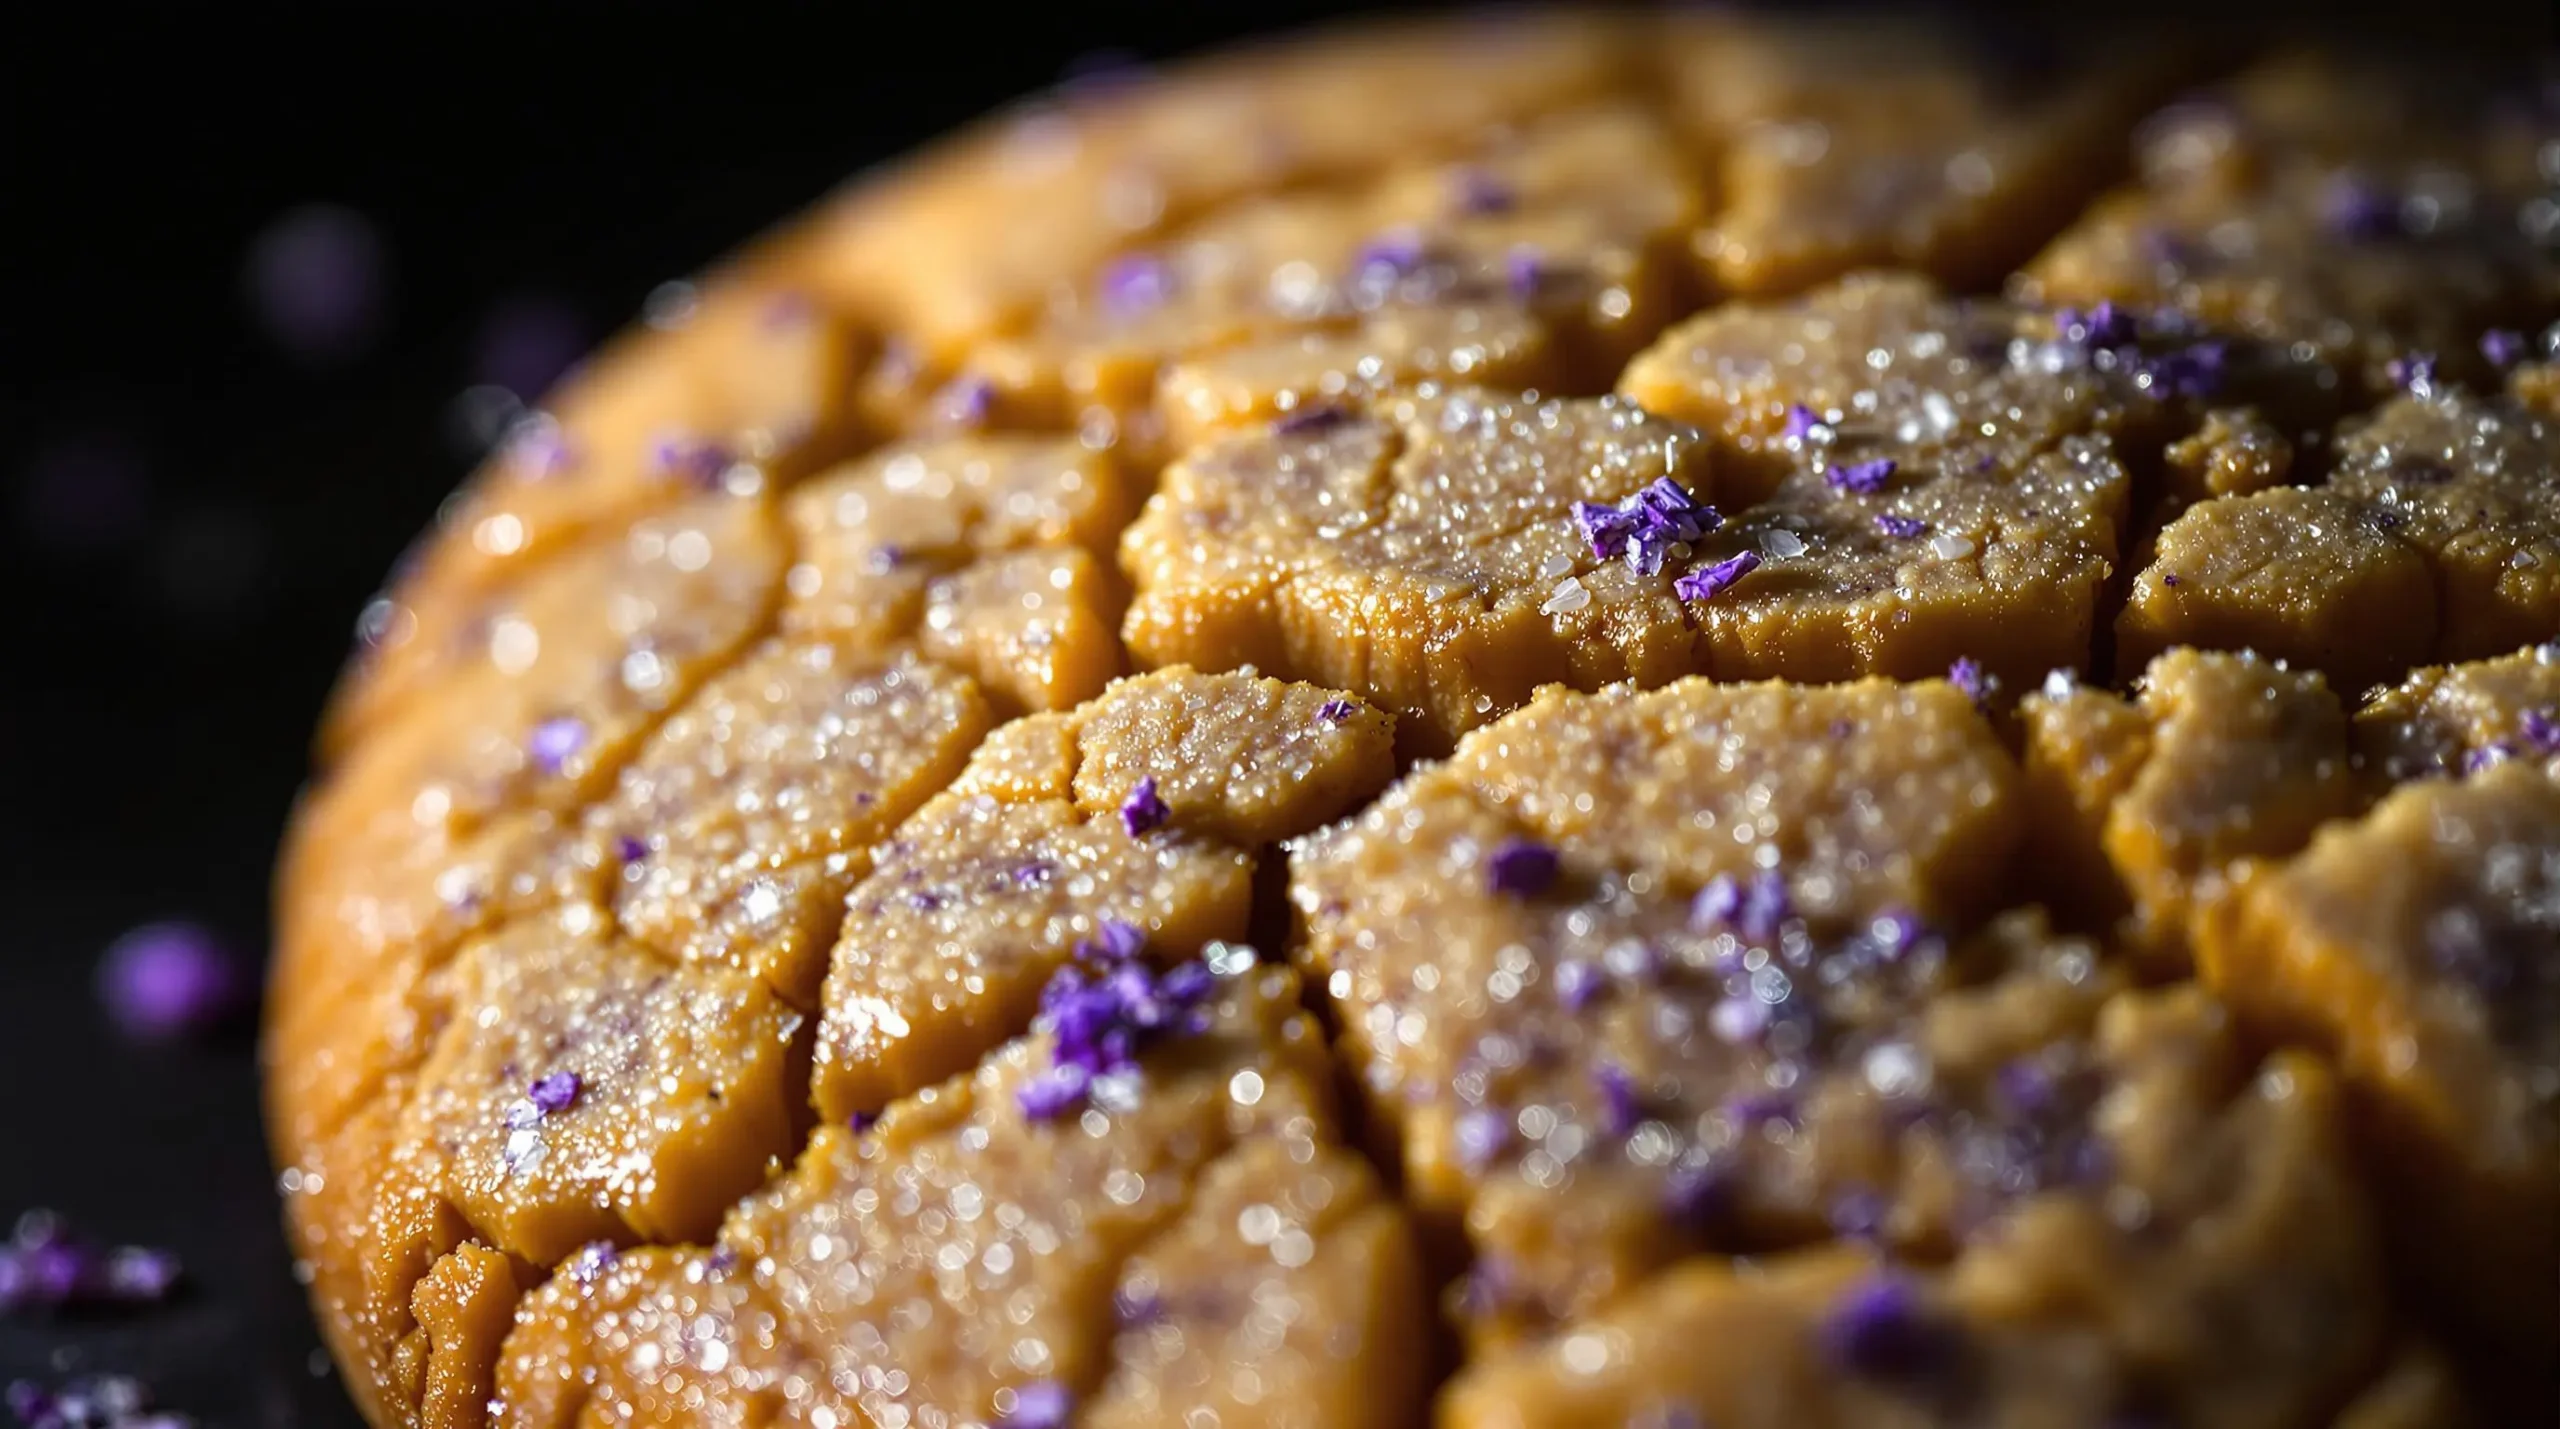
[193,516]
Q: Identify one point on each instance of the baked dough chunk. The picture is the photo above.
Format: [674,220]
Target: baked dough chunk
[447,819]
[965,244]
[1634,974]
[748,390]
[1192,1242]
[1541,262]
[2142,806]
[2459,719]
[1856,141]
[1139,814]
[1426,553]
[2364,211]
[2422,946]
[992,551]
[2225,1279]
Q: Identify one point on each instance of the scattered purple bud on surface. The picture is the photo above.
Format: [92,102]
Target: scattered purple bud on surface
[1900,527]
[1335,711]
[1708,582]
[555,742]
[1860,478]
[2502,347]
[164,981]
[1966,675]
[1143,812]
[1802,421]
[555,1092]
[1522,868]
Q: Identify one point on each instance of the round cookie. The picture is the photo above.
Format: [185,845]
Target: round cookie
[1557,718]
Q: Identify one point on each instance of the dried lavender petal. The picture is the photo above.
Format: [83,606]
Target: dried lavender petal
[168,980]
[1861,478]
[1802,421]
[1143,812]
[1522,868]
[1708,582]
[1901,527]
[555,1092]
[1335,711]
[1053,1093]
[1966,675]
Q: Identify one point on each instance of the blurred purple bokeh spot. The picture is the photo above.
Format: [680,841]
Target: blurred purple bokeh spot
[317,280]
[85,492]
[526,342]
[168,980]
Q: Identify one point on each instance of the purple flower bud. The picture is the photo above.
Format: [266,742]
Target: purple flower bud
[2541,730]
[965,401]
[1620,1105]
[1521,868]
[555,1092]
[1966,675]
[1335,711]
[139,1274]
[555,742]
[592,1261]
[1716,904]
[1900,527]
[167,980]
[1483,1134]
[1765,906]
[1577,984]
[1708,582]
[1880,1329]
[1525,271]
[1863,478]
[629,849]
[1143,812]
[1041,1404]
[1053,1093]
[1137,283]
[2416,373]
[2502,347]
[1802,421]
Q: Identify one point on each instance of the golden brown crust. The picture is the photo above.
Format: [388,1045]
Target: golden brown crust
[764,727]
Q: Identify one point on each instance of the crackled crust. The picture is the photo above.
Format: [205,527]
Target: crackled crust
[766,725]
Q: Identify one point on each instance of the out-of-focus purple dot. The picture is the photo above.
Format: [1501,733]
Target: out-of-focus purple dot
[317,281]
[84,492]
[526,342]
[167,980]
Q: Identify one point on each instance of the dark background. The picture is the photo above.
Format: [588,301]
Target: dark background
[191,513]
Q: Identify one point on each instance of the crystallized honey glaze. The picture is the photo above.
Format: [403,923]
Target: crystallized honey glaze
[1684,721]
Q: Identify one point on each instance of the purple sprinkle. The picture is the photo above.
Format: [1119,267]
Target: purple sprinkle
[1053,1093]
[1482,1135]
[167,980]
[1802,421]
[2103,326]
[1897,932]
[2502,347]
[1577,984]
[723,1259]
[1880,1330]
[555,742]
[629,849]
[2354,208]
[1900,527]
[1858,1215]
[1863,478]
[1309,418]
[1708,582]
[2488,756]
[1645,526]
[1137,283]
[139,1274]
[1521,868]
[1716,904]
[1335,711]
[1966,675]
[965,401]
[1738,1021]
[1035,874]
[593,1260]
[1765,906]
[1143,812]
[555,1092]
[1696,1194]
[2024,1089]
[1389,256]
[698,461]
[861,1122]
[2169,579]
[1525,271]
[2541,730]
[2416,373]
[1478,192]
[316,280]
[1136,1307]
[2195,370]
[1620,1106]
[1116,940]
[1041,1404]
